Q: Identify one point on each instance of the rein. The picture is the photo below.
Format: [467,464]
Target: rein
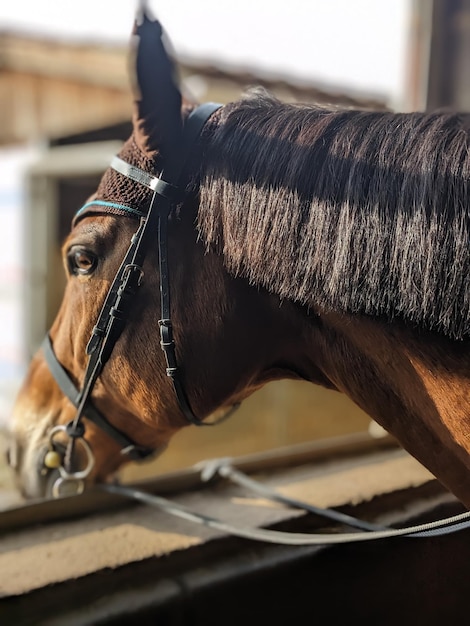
[224,469]
[115,310]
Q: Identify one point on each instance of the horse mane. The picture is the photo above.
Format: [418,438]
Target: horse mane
[364,212]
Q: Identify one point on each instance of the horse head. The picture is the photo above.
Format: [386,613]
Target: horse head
[133,397]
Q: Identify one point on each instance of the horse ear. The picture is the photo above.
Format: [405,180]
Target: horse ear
[157,99]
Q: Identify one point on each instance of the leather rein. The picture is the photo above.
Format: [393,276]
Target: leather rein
[114,313]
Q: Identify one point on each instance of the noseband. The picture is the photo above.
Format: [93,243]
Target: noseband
[115,310]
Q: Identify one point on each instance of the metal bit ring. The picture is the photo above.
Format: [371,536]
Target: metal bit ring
[79,475]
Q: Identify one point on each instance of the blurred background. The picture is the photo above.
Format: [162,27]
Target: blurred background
[65,109]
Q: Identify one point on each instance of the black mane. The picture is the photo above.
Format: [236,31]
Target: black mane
[362,211]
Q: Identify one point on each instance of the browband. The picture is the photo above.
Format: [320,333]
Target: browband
[167,190]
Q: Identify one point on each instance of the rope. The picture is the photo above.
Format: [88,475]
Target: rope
[445,526]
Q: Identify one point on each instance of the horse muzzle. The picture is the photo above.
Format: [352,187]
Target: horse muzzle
[47,471]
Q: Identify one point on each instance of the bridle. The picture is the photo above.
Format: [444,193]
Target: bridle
[167,190]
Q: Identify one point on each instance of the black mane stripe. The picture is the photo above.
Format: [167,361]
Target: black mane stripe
[362,211]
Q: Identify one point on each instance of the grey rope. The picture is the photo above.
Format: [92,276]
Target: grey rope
[429,529]
[223,468]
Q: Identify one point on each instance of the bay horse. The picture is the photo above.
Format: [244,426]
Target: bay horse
[323,244]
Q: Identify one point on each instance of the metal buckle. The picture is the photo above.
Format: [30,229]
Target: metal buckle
[133,267]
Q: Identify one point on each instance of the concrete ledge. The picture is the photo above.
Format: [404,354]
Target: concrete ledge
[53,553]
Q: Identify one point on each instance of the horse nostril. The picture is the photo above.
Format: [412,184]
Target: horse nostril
[11,455]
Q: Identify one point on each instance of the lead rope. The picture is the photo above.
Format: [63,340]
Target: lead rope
[224,469]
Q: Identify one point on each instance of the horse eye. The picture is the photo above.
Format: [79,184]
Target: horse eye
[81,261]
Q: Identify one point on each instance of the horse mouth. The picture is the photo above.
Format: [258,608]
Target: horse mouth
[33,479]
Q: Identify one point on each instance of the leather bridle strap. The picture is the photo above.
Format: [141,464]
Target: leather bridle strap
[115,310]
[128,447]
[168,190]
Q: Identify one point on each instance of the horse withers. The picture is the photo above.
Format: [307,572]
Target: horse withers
[295,241]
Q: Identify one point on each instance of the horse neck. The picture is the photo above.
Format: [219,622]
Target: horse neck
[414,385]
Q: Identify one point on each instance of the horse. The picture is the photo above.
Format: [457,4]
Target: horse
[305,242]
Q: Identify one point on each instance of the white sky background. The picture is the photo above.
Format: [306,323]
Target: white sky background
[359,44]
